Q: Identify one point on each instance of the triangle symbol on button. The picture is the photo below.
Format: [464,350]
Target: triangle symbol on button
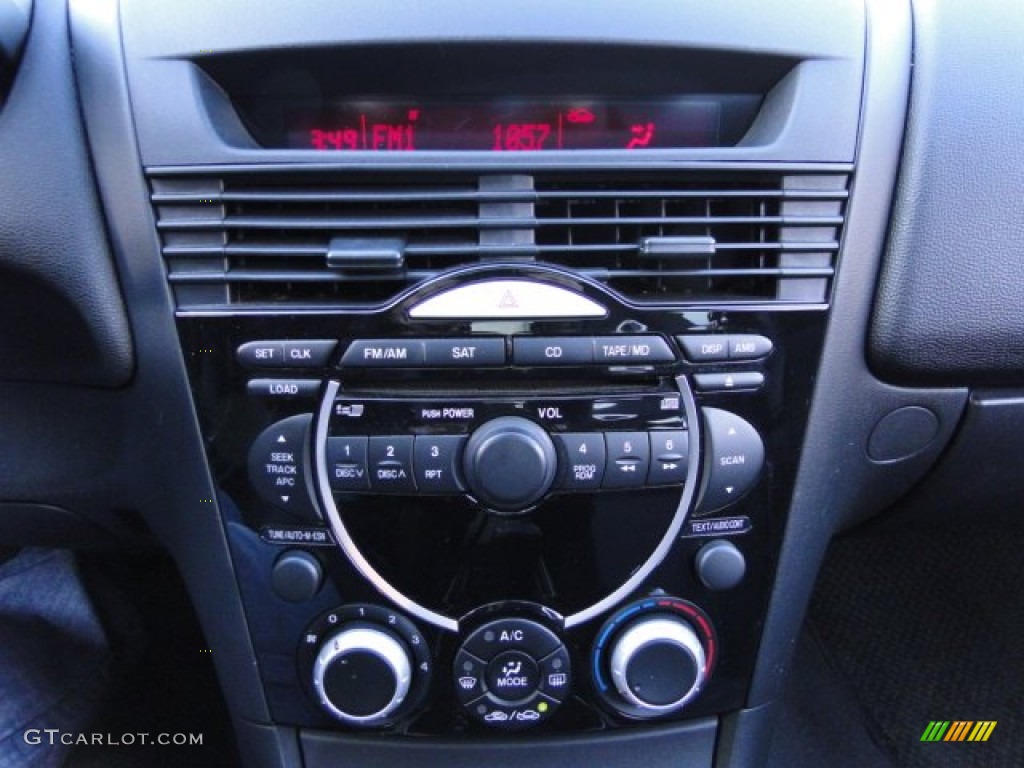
[730,382]
[729,489]
[732,431]
[282,439]
[285,499]
[508,300]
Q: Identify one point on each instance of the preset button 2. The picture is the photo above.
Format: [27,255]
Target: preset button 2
[390,460]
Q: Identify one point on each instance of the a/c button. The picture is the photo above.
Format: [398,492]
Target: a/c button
[562,350]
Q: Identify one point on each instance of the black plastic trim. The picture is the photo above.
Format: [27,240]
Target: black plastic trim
[836,482]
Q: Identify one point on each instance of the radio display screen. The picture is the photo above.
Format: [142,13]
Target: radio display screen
[510,126]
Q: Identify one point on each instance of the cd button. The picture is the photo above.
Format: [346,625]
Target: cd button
[627,459]
[464,353]
[390,459]
[568,350]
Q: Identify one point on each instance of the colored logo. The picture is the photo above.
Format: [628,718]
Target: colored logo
[958,730]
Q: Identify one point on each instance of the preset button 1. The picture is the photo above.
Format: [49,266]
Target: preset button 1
[347,469]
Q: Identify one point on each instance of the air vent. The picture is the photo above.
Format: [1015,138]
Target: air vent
[253,240]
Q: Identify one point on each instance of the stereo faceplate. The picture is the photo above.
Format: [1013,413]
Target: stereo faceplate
[669,429]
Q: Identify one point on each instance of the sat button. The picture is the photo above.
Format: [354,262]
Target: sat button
[464,353]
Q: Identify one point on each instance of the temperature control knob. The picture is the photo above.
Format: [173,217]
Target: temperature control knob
[657,664]
[509,464]
[654,657]
[362,675]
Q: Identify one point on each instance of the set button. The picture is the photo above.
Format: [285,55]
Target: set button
[307,353]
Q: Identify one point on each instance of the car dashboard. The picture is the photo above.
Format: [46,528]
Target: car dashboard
[497,375]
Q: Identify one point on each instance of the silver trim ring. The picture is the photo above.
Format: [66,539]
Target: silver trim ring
[423,613]
[348,545]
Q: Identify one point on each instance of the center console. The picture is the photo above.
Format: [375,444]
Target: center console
[507,501]
[502,347]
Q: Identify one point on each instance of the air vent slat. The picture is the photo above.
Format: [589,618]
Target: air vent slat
[256,240]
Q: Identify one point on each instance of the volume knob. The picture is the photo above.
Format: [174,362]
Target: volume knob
[362,675]
[509,464]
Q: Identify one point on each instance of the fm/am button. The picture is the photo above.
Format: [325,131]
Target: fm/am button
[384,353]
